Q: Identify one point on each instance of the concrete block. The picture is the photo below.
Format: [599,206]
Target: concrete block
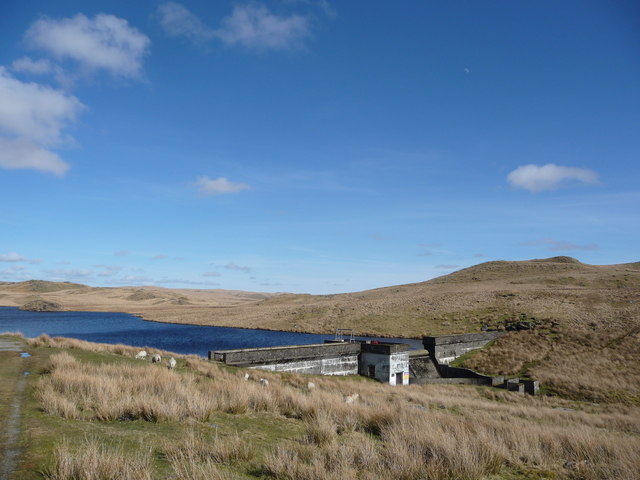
[532,387]
[446,348]
[515,387]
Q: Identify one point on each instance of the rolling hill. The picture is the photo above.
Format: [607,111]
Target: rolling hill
[586,317]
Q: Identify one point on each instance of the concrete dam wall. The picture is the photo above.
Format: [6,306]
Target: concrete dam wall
[446,348]
[321,359]
[387,362]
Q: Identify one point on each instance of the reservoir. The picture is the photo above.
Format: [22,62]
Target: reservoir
[107,327]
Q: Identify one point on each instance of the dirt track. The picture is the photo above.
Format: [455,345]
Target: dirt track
[9,449]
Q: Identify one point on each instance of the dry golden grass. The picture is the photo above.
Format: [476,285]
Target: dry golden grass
[95,460]
[588,350]
[415,432]
[195,458]
[560,288]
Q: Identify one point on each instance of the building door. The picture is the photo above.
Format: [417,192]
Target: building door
[372,371]
[399,378]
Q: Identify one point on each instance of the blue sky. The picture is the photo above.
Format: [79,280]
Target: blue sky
[314,146]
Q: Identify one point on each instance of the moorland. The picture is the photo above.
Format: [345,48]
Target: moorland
[93,411]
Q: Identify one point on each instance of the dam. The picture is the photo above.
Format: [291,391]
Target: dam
[388,362]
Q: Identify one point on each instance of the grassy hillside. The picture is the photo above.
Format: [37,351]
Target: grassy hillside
[94,412]
[584,346]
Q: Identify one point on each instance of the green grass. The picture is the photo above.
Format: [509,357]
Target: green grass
[41,433]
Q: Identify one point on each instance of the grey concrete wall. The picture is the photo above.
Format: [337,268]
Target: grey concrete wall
[254,356]
[449,372]
[343,365]
[422,367]
[447,348]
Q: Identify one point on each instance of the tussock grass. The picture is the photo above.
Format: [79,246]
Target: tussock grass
[599,367]
[194,457]
[414,432]
[95,460]
[12,334]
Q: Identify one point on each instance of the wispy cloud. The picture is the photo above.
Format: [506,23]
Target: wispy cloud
[321,4]
[254,26]
[62,274]
[250,26]
[239,268]
[35,67]
[108,270]
[15,273]
[177,21]
[13,269]
[219,186]
[211,274]
[446,266]
[554,245]
[32,120]
[133,280]
[428,249]
[549,177]
[162,256]
[42,66]
[182,281]
[121,253]
[104,42]
[12,257]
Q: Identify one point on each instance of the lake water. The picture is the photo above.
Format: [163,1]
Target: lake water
[106,327]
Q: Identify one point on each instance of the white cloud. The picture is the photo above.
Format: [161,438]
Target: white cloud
[21,154]
[35,112]
[34,67]
[102,42]
[219,186]
[211,274]
[254,26]
[32,119]
[180,22]
[43,66]
[549,177]
[249,26]
[12,257]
